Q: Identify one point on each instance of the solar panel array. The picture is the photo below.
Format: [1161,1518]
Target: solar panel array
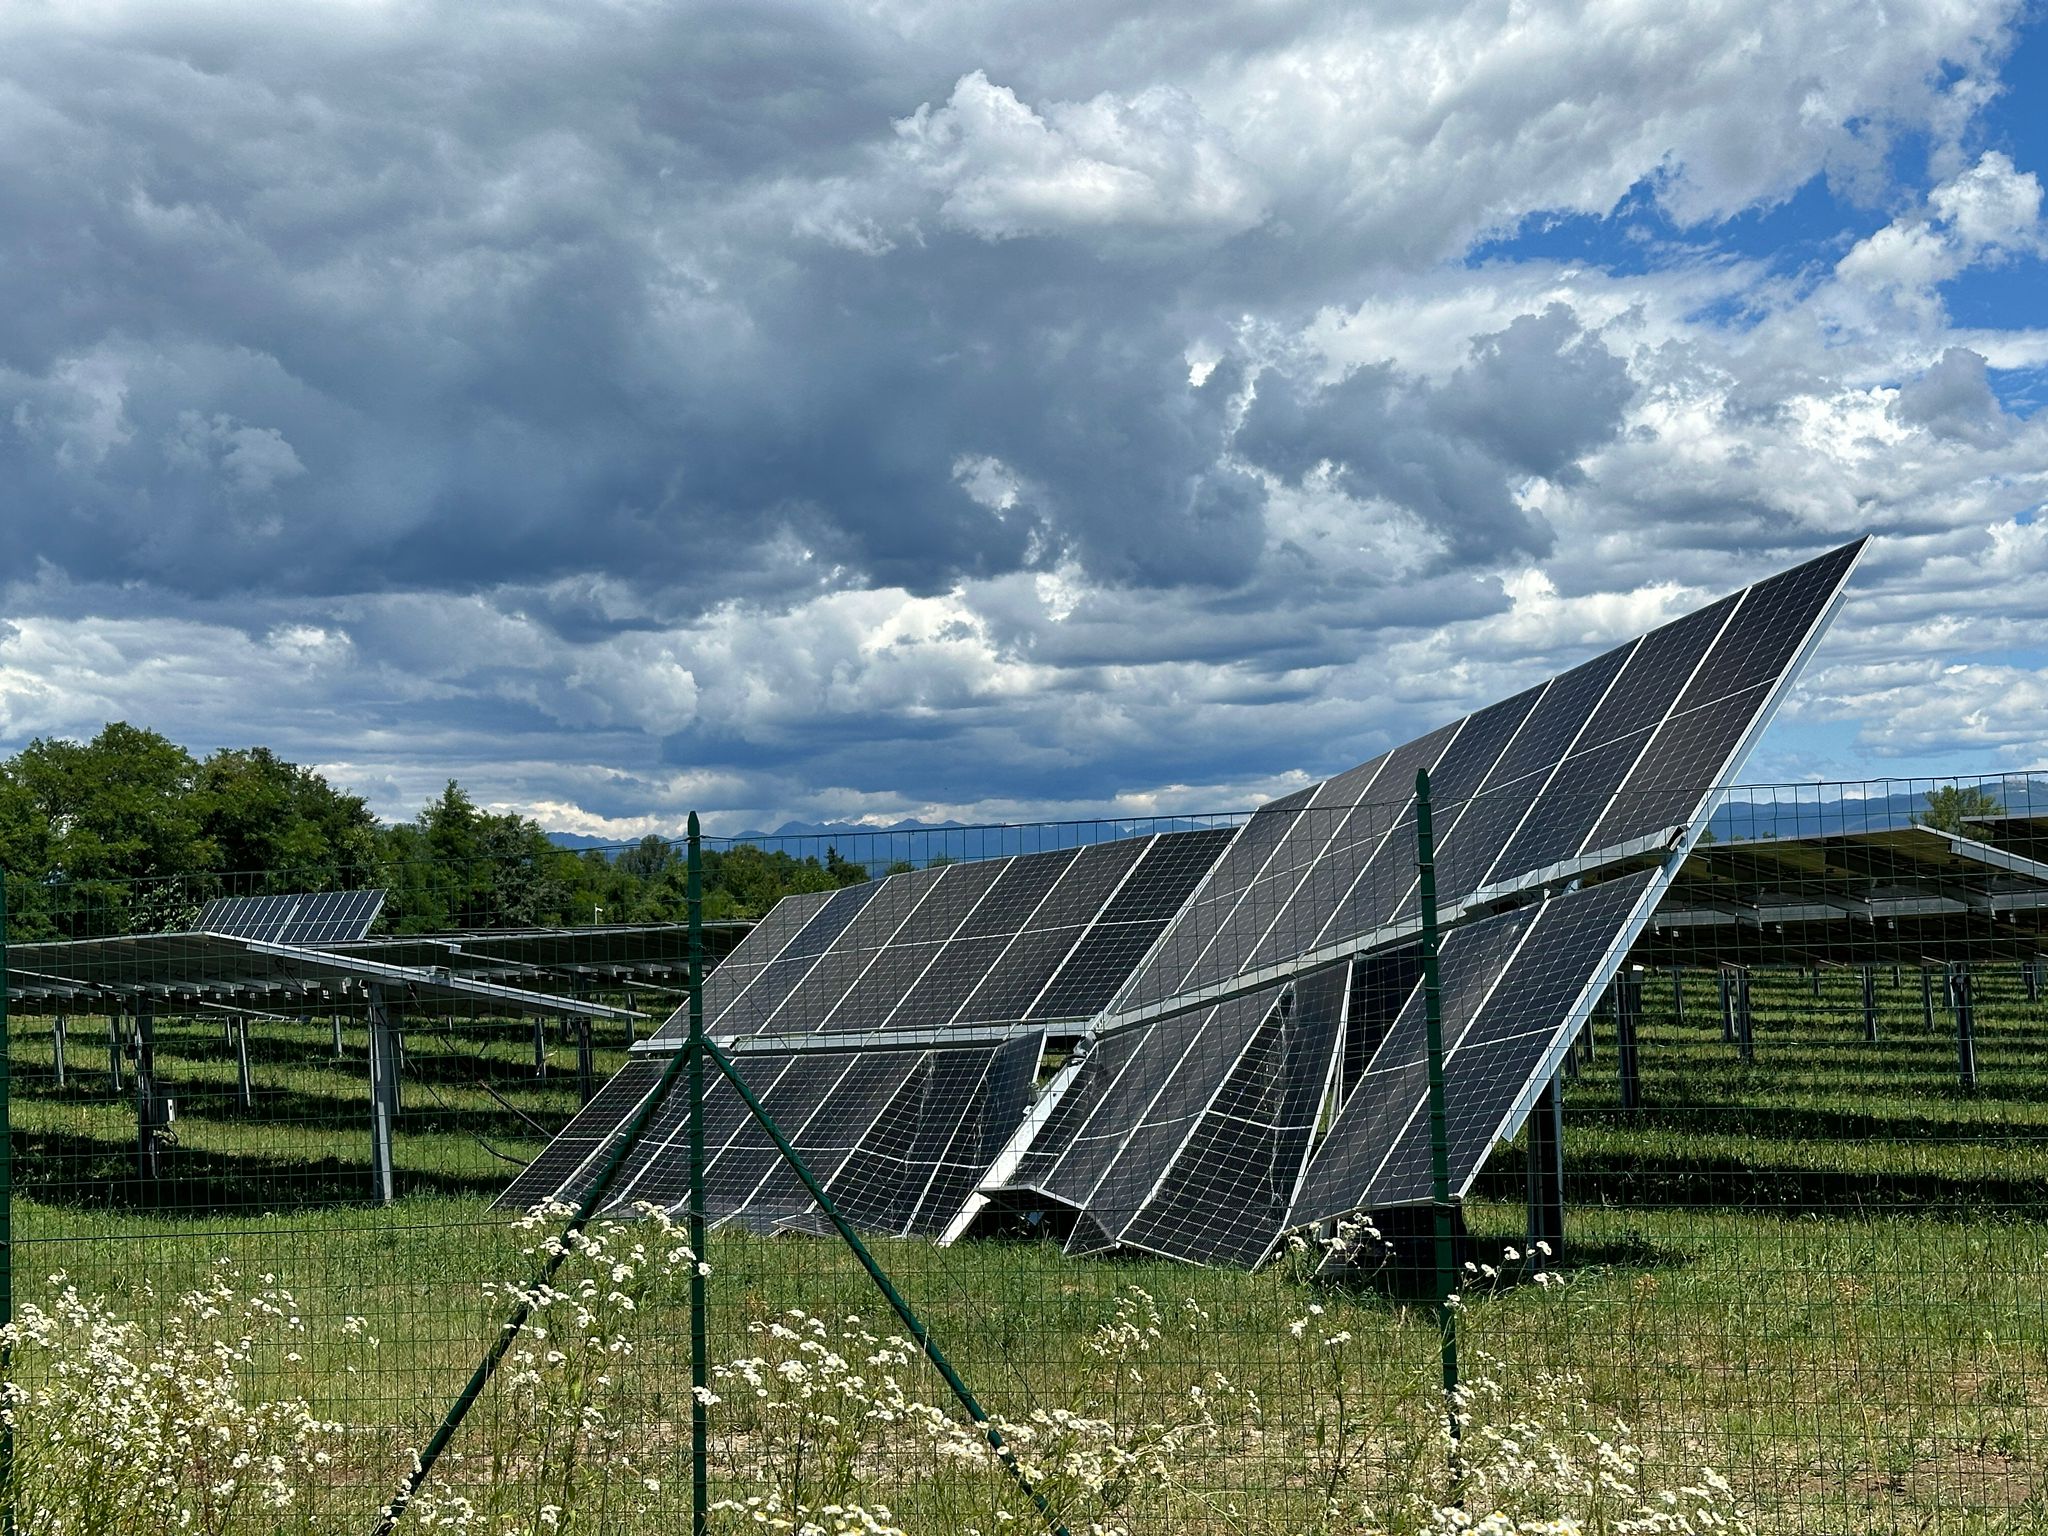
[1033,938]
[1246,1000]
[308,917]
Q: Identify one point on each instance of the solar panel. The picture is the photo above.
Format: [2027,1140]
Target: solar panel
[1623,747]
[1230,1185]
[311,917]
[1515,989]
[1021,972]
[1129,924]
[1046,936]
[897,1137]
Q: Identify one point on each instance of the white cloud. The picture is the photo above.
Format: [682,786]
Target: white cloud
[667,411]
[1148,162]
[1987,213]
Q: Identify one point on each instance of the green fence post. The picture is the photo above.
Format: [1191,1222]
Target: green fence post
[700,1346]
[6,1224]
[1439,1122]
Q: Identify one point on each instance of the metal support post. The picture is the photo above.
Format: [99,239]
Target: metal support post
[1927,995]
[150,1118]
[1678,995]
[383,1095]
[1966,1025]
[336,1016]
[2030,973]
[7,1468]
[114,1074]
[59,1028]
[1728,1035]
[1439,1117]
[1745,1021]
[1628,1012]
[246,1087]
[586,1068]
[1870,1004]
[1813,979]
[540,1046]
[1546,1176]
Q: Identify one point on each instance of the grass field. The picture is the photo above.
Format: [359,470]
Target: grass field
[1821,1273]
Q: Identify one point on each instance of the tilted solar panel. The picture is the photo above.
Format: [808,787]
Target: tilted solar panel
[1040,936]
[1622,748]
[1515,990]
[313,917]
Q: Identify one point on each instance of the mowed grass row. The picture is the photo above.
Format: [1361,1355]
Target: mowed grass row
[1820,1272]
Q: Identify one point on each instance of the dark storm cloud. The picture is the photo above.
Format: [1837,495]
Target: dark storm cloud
[893,401]
[1529,401]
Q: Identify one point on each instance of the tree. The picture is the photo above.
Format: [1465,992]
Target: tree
[274,826]
[844,871]
[1950,807]
[103,822]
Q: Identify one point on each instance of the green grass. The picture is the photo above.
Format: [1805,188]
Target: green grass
[1821,1272]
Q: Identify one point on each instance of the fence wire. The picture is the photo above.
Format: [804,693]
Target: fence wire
[1744,1144]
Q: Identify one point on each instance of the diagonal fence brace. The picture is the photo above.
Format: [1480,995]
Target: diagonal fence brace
[890,1294]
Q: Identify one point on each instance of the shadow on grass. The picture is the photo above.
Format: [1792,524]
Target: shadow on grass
[88,1173]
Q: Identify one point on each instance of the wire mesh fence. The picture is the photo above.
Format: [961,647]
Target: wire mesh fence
[1119,1140]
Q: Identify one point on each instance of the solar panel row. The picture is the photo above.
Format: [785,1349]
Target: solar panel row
[1036,937]
[1624,747]
[1252,1030]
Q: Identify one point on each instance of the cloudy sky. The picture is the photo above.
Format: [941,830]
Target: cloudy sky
[798,410]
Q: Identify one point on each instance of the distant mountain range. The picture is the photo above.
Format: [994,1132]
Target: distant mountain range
[921,842]
[1828,816]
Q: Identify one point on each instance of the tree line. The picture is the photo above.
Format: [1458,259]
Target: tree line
[131,833]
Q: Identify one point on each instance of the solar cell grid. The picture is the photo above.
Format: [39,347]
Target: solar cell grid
[809,1004]
[1134,918]
[1688,754]
[992,1118]
[1169,1118]
[1359,800]
[1658,668]
[1214,900]
[1230,1186]
[754,1004]
[1562,816]
[1022,971]
[313,917]
[871,1185]
[1551,989]
[1774,620]
[827,1136]
[764,941]
[1391,1085]
[1123,1103]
